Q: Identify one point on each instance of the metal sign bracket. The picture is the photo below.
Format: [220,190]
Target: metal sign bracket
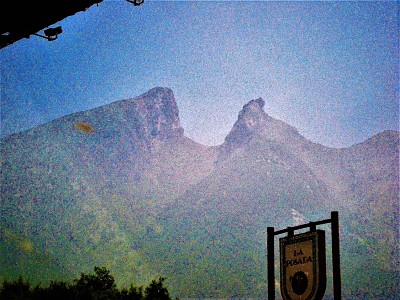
[271,233]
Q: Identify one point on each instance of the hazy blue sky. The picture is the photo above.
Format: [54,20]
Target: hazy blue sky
[328,68]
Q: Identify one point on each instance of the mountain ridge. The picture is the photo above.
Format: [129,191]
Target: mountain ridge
[180,130]
[122,186]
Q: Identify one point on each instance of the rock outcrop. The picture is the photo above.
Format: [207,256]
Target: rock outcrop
[158,114]
[253,121]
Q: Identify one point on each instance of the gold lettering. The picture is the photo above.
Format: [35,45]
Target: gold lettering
[297,253]
[298,261]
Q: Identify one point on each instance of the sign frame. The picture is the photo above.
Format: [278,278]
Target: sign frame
[303,266]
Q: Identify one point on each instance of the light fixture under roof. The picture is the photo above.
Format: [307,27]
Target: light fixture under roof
[51,34]
[136,2]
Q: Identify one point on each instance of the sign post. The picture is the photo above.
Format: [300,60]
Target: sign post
[303,261]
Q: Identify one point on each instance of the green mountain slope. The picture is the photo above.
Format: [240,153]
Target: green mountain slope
[121,187]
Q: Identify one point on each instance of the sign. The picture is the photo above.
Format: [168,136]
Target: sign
[303,266]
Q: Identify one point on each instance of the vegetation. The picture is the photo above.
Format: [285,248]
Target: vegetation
[98,286]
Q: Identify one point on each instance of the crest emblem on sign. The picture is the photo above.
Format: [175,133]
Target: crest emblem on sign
[303,266]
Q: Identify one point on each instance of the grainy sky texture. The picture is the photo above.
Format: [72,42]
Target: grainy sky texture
[328,68]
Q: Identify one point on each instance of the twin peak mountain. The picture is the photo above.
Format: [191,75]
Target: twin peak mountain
[137,128]
[153,118]
[121,185]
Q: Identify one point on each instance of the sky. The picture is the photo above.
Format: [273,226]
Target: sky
[330,69]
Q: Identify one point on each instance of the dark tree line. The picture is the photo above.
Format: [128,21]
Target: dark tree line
[98,286]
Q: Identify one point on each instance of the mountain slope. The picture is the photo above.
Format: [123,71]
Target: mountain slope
[121,186]
[266,171]
[77,186]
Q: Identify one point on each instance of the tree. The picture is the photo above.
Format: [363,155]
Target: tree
[133,293]
[156,291]
[100,285]
[56,290]
[15,290]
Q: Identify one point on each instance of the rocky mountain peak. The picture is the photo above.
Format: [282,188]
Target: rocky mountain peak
[253,105]
[254,121]
[251,117]
[251,120]
[160,113]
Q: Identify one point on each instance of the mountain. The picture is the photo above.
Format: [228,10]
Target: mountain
[121,186]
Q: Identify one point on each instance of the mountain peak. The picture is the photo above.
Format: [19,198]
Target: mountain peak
[254,121]
[159,90]
[251,119]
[160,113]
[254,104]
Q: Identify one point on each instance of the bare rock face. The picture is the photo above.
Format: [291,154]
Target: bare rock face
[159,113]
[253,121]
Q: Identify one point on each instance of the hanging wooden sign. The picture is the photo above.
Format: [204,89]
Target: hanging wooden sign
[303,266]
